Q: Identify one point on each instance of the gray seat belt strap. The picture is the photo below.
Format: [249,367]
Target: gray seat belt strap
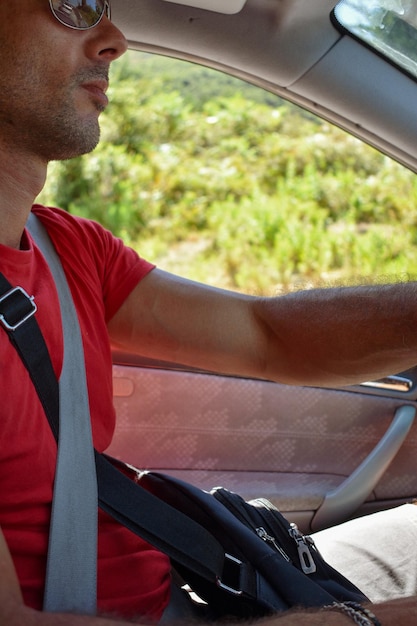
[71,577]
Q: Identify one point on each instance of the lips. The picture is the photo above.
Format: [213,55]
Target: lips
[97,89]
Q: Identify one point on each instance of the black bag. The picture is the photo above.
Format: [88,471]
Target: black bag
[244,559]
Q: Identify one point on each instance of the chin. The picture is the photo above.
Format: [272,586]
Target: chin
[82,141]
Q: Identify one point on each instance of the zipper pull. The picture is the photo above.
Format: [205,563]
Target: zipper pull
[306,559]
[261,532]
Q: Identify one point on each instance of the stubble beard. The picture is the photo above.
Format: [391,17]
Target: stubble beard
[76,135]
[54,129]
[62,135]
[66,137]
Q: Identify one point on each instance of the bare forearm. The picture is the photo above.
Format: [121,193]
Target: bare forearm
[24,616]
[394,613]
[327,337]
[340,336]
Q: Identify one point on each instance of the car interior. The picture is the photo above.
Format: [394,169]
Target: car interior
[322,456]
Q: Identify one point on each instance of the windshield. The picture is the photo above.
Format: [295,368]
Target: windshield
[388,26]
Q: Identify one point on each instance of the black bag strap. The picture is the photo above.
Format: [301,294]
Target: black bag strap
[187,542]
[168,529]
[17,310]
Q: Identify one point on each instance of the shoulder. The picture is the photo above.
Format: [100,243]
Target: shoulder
[57,220]
[91,253]
[75,236]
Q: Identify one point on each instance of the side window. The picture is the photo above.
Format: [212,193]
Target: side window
[225,183]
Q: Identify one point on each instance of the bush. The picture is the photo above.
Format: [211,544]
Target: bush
[240,189]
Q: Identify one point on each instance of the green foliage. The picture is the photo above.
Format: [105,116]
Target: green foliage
[225,183]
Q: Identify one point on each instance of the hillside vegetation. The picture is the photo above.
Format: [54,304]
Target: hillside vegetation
[224,183]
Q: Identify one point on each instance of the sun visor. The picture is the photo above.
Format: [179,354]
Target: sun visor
[219,6]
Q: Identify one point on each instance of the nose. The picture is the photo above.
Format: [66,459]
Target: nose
[107,42]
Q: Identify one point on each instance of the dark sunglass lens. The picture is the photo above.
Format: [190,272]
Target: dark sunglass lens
[79,13]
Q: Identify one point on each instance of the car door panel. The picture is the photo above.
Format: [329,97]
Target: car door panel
[293,445]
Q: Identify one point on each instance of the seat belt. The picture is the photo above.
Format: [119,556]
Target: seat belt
[71,576]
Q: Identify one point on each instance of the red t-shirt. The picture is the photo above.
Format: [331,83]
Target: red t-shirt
[133,577]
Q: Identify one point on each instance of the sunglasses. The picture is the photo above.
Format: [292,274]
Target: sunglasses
[80,14]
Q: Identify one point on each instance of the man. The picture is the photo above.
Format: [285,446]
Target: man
[53,80]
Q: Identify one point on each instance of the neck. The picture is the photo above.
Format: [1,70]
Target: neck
[20,183]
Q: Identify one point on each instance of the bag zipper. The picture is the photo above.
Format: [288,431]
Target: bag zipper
[302,542]
[261,532]
[306,559]
[266,509]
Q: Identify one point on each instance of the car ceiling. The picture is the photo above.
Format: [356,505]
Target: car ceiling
[291,48]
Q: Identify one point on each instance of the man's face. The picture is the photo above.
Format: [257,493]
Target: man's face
[52,80]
